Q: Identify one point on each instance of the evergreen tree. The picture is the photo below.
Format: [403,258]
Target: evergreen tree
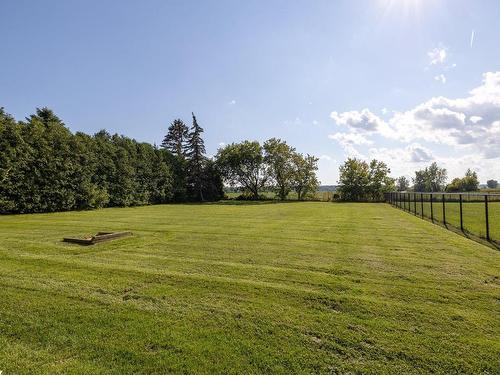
[195,155]
[14,156]
[176,138]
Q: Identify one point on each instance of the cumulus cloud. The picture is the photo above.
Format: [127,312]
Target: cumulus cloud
[419,154]
[469,126]
[363,120]
[471,121]
[414,153]
[437,56]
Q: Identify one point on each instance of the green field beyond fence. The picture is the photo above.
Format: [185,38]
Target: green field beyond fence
[246,288]
[473,208]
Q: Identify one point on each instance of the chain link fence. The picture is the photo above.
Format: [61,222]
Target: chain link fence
[474,214]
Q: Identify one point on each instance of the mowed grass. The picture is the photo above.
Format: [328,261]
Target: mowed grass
[473,213]
[246,288]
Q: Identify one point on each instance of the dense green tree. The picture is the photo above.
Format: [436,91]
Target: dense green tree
[430,179]
[278,157]
[304,180]
[359,180]
[469,182]
[213,187]
[15,154]
[379,180]
[88,194]
[354,177]
[176,138]
[196,160]
[44,167]
[49,185]
[492,184]
[242,164]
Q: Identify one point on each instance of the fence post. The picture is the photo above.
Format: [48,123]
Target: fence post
[444,211]
[422,203]
[409,202]
[487,218]
[432,210]
[415,203]
[461,214]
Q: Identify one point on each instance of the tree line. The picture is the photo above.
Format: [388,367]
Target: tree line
[44,167]
[363,181]
[276,166]
[433,179]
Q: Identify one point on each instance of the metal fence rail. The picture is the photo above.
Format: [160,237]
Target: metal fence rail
[474,214]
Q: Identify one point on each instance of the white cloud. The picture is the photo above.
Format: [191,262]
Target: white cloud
[363,120]
[419,154]
[475,119]
[384,111]
[441,78]
[315,122]
[470,121]
[326,157]
[222,144]
[437,56]
[350,138]
[414,153]
[467,126]
[472,38]
[232,102]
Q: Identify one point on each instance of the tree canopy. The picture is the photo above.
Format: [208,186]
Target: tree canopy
[242,164]
[431,179]
[492,184]
[361,181]
[469,182]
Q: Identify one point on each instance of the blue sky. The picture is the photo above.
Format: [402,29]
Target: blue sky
[405,81]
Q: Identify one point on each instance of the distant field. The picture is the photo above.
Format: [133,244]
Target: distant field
[323,196]
[246,288]
[474,218]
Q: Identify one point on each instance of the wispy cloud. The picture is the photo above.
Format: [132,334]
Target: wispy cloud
[441,78]
[232,102]
[472,34]
[437,56]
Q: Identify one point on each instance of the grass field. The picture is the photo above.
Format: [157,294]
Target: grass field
[474,218]
[246,288]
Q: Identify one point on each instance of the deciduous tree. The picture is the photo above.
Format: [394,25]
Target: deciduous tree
[242,164]
[304,180]
[278,157]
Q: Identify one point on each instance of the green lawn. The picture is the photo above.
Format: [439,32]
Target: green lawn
[246,288]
